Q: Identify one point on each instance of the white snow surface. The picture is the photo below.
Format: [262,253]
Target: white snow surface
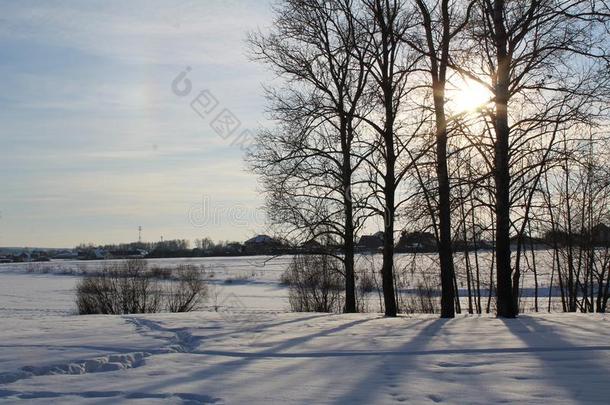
[252,351]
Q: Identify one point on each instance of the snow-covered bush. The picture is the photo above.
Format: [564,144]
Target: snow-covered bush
[163,273]
[366,282]
[418,290]
[315,283]
[188,290]
[129,287]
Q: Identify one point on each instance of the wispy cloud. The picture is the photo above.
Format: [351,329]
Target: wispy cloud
[91,132]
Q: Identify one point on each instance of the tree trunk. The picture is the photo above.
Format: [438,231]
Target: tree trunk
[438,70]
[444,247]
[534,267]
[348,239]
[350,282]
[387,268]
[507,307]
[476,261]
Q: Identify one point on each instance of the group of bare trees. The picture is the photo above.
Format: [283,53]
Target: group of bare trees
[576,201]
[369,132]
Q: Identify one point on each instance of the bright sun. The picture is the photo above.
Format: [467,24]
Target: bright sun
[468,96]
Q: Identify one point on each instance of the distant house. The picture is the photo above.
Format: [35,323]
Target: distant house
[601,235]
[527,242]
[100,254]
[23,257]
[93,254]
[311,246]
[416,242]
[262,245]
[370,243]
[39,256]
[65,255]
[128,253]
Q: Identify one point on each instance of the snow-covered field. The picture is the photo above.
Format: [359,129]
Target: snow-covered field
[254,351]
[34,289]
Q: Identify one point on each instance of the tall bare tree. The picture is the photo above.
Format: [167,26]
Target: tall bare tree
[308,165]
[541,51]
[390,63]
[440,23]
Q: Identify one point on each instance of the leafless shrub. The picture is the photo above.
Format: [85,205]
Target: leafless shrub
[188,291]
[365,286]
[121,288]
[418,289]
[129,287]
[286,279]
[162,273]
[366,282]
[423,299]
[241,277]
[96,295]
[315,284]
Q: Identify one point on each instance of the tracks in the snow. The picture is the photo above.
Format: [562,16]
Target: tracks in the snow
[55,395]
[180,340]
[177,341]
[110,362]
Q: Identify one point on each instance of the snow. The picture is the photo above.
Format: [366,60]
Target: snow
[36,289]
[27,296]
[253,351]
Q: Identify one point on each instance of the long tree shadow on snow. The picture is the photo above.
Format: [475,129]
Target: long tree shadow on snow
[390,372]
[577,370]
[241,362]
[249,326]
[364,392]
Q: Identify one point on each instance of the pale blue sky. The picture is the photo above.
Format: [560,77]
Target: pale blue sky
[93,142]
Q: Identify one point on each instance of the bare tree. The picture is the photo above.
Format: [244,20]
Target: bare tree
[441,23]
[308,165]
[577,204]
[546,58]
[390,63]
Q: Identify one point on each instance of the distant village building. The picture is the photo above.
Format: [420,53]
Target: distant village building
[39,256]
[262,245]
[65,255]
[416,242]
[23,257]
[601,235]
[93,254]
[370,243]
[128,254]
[527,242]
[311,246]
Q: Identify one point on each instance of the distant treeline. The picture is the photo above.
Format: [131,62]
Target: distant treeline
[161,249]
